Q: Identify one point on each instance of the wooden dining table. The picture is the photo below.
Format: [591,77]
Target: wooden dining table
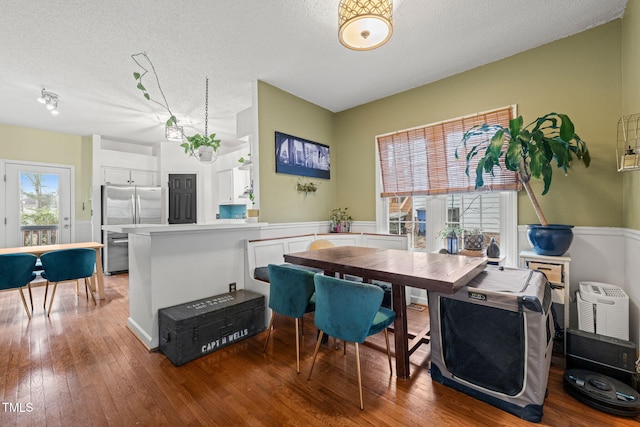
[434,272]
[39,250]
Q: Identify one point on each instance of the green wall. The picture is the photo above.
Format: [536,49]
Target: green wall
[631,105]
[579,76]
[279,200]
[32,145]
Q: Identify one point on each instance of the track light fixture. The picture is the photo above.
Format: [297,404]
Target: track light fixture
[50,100]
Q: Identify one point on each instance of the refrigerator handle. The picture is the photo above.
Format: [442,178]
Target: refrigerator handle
[133,208]
[137,209]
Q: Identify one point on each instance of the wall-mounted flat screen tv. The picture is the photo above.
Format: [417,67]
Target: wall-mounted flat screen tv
[299,156]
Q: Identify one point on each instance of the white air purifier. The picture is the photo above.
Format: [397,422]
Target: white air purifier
[603,309]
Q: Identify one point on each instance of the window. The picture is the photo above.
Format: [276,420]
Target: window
[423,187]
[471,212]
[422,161]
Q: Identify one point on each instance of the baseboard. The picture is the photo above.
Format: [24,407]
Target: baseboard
[138,332]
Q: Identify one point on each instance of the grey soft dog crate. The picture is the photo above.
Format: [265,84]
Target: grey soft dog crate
[193,329]
[493,339]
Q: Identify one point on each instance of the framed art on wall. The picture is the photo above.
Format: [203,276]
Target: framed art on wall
[299,156]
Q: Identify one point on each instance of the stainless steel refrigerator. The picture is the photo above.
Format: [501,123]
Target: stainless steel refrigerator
[126,204]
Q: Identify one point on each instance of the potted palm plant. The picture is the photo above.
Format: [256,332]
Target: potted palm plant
[531,151]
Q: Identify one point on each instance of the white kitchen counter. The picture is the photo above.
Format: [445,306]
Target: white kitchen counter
[174,264]
[218,224]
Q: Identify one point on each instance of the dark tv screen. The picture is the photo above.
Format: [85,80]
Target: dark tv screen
[299,156]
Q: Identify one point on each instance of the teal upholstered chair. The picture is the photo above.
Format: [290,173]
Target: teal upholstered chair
[350,311]
[16,271]
[68,264]
[290,293]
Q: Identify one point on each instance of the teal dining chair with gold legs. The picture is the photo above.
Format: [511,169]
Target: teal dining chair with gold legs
[16,271]
[290,293]
[350,311]
[68,264]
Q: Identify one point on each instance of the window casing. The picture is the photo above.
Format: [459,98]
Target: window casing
[423,211]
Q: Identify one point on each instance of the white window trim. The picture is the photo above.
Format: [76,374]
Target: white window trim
[382,204]
[436,211]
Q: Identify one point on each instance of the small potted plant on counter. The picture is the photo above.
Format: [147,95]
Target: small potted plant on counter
[340,221]
[473,239]
[252,214]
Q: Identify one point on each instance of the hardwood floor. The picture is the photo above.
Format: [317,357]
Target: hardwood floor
[83,367]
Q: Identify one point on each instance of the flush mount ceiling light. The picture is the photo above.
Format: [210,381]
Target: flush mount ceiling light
[365,24]
[50,100]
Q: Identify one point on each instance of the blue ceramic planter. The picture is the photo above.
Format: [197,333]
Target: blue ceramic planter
[553,239]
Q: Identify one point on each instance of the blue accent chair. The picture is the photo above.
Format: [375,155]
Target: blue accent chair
[350,311]
[290,294]
[68,264]
[16,271]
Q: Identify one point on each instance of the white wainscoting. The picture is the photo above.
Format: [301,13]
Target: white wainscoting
[293,229]
[314,227]
[632,280]
[602,254]
[607,255]
[364,227]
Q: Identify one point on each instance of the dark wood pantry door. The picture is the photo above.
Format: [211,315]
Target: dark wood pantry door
[182,199]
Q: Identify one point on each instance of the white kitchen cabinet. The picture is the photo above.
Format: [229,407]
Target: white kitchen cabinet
[231,184]
[139,177]
[128,176]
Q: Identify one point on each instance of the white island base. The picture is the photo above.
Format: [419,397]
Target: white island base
[174,264]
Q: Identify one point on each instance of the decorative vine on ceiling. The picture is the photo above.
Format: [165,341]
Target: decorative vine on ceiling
[202,147]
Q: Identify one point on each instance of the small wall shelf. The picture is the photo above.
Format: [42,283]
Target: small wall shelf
[628,143]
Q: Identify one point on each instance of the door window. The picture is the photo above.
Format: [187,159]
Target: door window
[38,204]
[39,213]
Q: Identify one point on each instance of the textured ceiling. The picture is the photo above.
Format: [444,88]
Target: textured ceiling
[81,50]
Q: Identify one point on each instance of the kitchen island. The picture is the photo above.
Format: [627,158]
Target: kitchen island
[177,263]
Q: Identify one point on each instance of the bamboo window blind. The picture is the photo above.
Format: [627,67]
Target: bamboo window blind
[421,161]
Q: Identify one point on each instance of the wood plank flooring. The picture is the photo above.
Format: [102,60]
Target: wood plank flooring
[83,367]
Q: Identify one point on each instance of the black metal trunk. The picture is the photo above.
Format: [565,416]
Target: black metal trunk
[196,328]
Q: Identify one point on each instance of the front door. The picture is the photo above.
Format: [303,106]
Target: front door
[182,199]
[38,204]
